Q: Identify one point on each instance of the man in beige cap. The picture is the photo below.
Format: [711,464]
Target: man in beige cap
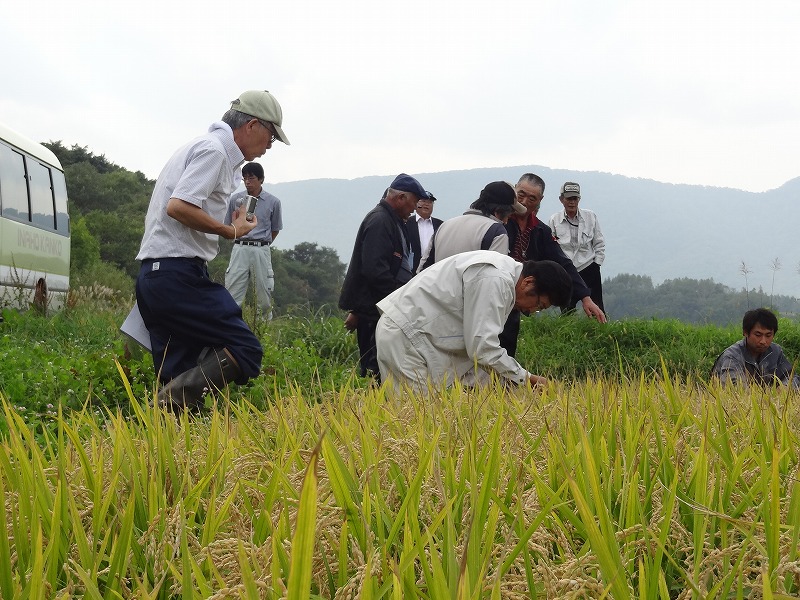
[578,233]
[199,340]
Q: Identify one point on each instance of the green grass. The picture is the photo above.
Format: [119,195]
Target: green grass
[68,360]
[572,348]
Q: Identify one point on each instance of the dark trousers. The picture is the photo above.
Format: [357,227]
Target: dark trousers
[186,312]
[591,277]
[365,334]
[510,333]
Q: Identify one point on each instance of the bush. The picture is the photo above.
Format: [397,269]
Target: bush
[572,347]
[103,283]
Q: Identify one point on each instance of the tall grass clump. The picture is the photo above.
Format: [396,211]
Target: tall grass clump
[65,361]
[653,487]
[574,348]
[68,360]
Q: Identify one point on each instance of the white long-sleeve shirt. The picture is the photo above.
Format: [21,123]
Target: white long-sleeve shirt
[454,311]
[583,244]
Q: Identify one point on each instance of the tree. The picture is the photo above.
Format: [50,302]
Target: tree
[84,188]
[80,154]
[624,293]
[307,275]
[84,248]
[119,236]
[689,300]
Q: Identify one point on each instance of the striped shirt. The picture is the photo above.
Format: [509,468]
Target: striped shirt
[204,172]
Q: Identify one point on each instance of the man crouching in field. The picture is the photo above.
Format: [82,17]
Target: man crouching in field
[444,324]
[756,357]
[199,340]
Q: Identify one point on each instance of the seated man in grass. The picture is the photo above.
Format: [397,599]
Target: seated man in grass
[444,324]
[756,357]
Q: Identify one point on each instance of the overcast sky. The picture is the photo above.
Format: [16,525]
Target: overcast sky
[682,91]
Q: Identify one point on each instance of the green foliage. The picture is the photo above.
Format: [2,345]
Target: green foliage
[66,361]
[78,155]
[69,359]
[84,247]
[572,347]
[106,203]
[308,274]
[304,347]
[119,235]
[118,284]
[84,188]
[689,300]
[307,278]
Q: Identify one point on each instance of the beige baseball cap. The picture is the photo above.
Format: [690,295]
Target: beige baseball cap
[571,190]
[262,105]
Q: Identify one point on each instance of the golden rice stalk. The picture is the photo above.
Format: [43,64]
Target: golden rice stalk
[302,557]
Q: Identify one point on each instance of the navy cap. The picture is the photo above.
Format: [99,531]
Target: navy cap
[406,183]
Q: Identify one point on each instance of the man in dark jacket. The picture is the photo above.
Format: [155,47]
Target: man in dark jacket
[530,239]
[421,227]
[756,358]
[382,261]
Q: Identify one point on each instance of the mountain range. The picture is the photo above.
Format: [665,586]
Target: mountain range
[662,230]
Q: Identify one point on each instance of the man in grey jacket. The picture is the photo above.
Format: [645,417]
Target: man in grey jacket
[756,357]
[480,228]
[444,324]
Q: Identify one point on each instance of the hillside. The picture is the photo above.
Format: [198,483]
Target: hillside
[652,228]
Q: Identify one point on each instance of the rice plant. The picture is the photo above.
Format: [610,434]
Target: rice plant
[651,487]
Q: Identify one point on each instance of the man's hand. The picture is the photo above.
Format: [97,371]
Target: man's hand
[537,381]
[239,220]
[592,310]
[351,322]
[194,217]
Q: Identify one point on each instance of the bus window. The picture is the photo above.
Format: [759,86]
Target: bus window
[60,191]
[42,209]
[13,191]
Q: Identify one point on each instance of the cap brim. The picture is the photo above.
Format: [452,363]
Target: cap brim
[519,209]
[569,196]
[281,136]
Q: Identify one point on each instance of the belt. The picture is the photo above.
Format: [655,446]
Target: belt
[252,242]
[155,263]
[195,260]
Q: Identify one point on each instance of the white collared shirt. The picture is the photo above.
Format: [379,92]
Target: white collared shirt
[204,172]
[425,228]
[581,238]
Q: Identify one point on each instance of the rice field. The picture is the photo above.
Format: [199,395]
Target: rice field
[649,488]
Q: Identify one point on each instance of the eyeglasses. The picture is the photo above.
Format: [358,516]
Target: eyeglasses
[269,128]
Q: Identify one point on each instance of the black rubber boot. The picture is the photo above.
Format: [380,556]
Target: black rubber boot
[214,370]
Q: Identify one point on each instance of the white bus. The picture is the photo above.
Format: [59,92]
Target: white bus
[34,225]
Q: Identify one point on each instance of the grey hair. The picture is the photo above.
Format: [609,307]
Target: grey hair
[532,179]
[236,119]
